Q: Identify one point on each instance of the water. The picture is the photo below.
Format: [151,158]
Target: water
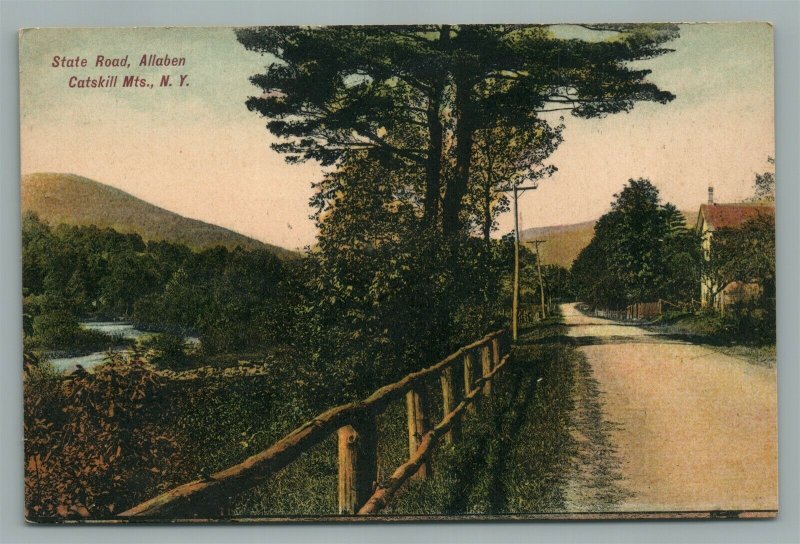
[126,330]
[121,328]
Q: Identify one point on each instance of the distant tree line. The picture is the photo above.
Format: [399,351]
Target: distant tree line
[232,299]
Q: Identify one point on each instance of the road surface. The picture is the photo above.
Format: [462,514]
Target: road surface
[668,425]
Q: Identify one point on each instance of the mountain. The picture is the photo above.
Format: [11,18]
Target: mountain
[75,200]
[564,242]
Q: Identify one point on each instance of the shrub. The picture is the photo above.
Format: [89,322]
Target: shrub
[750,323]
[95,444]
[58,330]
[170,351]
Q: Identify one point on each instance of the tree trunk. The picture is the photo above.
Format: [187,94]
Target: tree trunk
[457,186]
[487,205]
[433,165]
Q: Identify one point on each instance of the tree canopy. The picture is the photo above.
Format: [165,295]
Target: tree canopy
[764,184]
[641,251]
[419,94]
[421,127]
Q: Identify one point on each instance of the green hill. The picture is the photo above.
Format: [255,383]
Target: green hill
[75,200]
[563,242]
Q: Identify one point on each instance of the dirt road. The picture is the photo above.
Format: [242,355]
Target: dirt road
[668,425]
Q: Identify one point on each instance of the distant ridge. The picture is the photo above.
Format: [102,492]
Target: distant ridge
[564,242]
[75,200]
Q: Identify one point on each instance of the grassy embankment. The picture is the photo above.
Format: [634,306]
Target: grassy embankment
[747,336]
[512,458]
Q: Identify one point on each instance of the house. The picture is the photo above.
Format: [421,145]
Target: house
[712,217]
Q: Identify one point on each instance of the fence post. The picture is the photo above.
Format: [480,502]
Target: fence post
[468,380]
[418,425]
[449,403]
[495,351]
[358,464]
[486,368]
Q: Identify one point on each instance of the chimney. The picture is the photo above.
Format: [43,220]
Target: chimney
[710,195]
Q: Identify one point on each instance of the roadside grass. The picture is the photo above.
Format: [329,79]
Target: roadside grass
[513,456]
[714,331]
[766,356]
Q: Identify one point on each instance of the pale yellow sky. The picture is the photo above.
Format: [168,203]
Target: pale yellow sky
[197,151]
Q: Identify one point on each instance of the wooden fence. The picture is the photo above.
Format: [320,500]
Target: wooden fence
[359,493]
[609,314]
[530,313]
[644,310]
[633,312]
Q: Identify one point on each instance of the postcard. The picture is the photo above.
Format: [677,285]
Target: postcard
[426,272]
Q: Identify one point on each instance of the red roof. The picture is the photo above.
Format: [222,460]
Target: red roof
[719,216]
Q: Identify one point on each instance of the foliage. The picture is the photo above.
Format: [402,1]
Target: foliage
[744,254]
[231,298]
[556,279]
[641,251]
[171,351]
[417,94]
[93,446]
[382,296]
[764,184]
[751,322]
[57,330]
[504,157]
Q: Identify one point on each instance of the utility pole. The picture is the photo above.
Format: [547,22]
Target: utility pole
[539,272]
[515,300]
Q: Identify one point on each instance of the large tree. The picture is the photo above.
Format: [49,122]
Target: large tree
[641,251]
[505,156]
[406,93]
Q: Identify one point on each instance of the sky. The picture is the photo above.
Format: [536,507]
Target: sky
[196,149]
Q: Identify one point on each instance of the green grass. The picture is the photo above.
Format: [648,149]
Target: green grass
[719,333]
[513,456]
[757,355]
[514,453]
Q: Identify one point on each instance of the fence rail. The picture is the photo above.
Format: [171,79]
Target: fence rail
[355,423]
[633,312]
[529,313]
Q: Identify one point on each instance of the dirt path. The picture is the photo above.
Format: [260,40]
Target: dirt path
[669,426]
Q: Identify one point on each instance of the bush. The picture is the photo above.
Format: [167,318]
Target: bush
[95,444]
[170,351]
[750,323]
[58,330]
